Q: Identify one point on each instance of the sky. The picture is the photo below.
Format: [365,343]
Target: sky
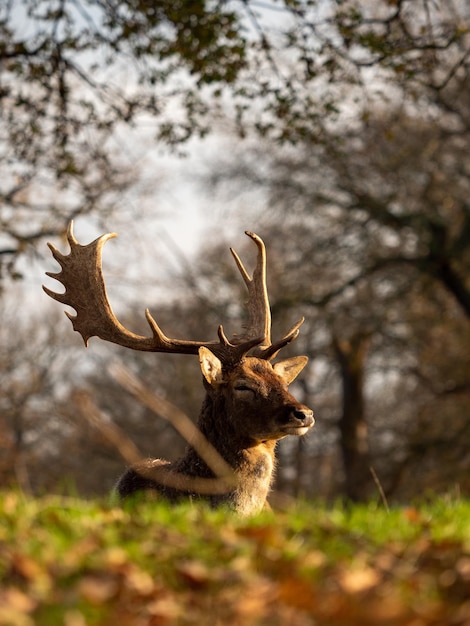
[158,236]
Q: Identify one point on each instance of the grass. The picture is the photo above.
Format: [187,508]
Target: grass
[70,562]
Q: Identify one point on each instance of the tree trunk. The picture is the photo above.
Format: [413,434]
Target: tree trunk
[353,425]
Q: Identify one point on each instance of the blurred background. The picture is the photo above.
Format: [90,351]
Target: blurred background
[339,131]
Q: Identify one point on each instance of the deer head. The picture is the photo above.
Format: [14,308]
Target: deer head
[255,398]
[248,406]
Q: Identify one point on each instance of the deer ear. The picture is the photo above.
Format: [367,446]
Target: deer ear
[211,366]
[289,369]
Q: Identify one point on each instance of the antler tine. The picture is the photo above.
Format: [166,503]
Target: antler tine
[230,353]
[259,312]
[270,352]
[258,305]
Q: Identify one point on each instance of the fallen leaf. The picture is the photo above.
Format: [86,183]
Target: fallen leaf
[74,618]
[463,567]
[412,515]
[26,566]
[298,592]
[314,559]
[10,617]
[15,608]
[265,535]
[139,581]
[115,557]
[194,573]
[254,600]
[97,589]
[33,571]
[17,600]
[166,608]
[358,580]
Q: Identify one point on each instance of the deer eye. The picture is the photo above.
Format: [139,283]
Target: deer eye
[242,387]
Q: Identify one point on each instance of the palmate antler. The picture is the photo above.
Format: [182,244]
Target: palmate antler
[85,291]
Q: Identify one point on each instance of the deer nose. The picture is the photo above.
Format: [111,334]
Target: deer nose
[304,415]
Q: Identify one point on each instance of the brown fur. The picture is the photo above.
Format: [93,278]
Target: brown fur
[247,409]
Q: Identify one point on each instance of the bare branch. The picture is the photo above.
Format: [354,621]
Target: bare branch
[177,418]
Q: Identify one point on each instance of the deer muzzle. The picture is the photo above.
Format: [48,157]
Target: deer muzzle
[300,421]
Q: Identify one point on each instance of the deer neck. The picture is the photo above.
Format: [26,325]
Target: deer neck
[253,462]
[219,429]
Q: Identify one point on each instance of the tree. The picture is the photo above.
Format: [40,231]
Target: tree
[73,77]
[77,77]
[379,208]
[30,398]
[363,113]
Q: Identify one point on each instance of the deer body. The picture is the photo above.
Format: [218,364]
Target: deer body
[247,407]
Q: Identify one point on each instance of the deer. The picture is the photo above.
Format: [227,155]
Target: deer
[247,406]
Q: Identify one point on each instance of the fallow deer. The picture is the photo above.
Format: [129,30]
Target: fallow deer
[247,407]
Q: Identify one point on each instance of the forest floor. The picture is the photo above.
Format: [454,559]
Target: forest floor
[72,562]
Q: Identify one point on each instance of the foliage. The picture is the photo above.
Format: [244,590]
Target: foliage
[66,561]
[78,77]
[73,76]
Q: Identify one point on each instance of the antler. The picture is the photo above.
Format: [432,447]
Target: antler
[259,311]
[85,291]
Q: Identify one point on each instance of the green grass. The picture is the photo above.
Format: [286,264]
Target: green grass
[69,562]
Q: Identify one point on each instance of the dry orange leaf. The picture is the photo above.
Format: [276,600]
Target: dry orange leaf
[140,581]
[17,600]
[164,608]
[97,589]
[266,535]
[27,567]
[194,573]
[298,592]
[358,580]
